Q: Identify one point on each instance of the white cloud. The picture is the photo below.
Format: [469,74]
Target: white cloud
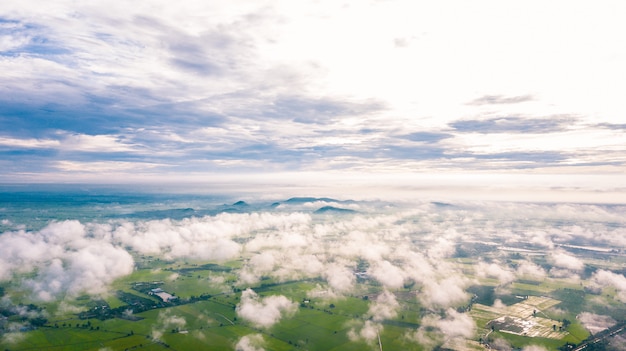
[339,277]
[530,269]
[258,54]
[443,247]
[607,278]
[166,321]
[445,292]
[253,342]
[435,330]
[563,260]
[393,245]
[202,238]
[367,331]
[595,322]
[495,270]
[384,307]
[88,270]
[264,312]
[457,324]
[69,260]
[66,307]
[387,274]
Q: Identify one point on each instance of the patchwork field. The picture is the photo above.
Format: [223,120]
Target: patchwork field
[523,318]
[206,316]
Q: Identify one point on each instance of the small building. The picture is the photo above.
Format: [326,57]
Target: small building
[166,297]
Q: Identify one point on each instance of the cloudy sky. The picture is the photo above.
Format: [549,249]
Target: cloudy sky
[108,92]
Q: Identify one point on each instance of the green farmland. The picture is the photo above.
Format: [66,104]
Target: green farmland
[205,315]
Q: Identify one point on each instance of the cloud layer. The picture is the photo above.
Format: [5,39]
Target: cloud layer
[428,253]
[160,90]
[67,258]
[393,248]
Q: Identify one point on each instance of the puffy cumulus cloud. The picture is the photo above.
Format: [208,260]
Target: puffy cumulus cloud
[420,268]
[75,258]
[208,238]
[67,258]
[263,262]
[277,239]
[531,270]
[495,270]
[282,265]
[361,243]
[65,307]
[339,277]
[435,330]
[367,331]
[195,238]
[253,342]
[89,270]
[95,266]
[22,251]
[562,259]
[384,307]
[566,274]
[540,238]
[610,236]
[323,292]
[281,245]
[445,293]
[427,337]
[394,246]
[457,324]
[264,312]
[166,321]
[595,322]
[443,247]
[387,274]
[606,278]
[10,261]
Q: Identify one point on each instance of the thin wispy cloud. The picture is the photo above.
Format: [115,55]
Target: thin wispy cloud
[515,125]
[499,99]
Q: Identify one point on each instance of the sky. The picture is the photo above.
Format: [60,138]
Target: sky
[515,93]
